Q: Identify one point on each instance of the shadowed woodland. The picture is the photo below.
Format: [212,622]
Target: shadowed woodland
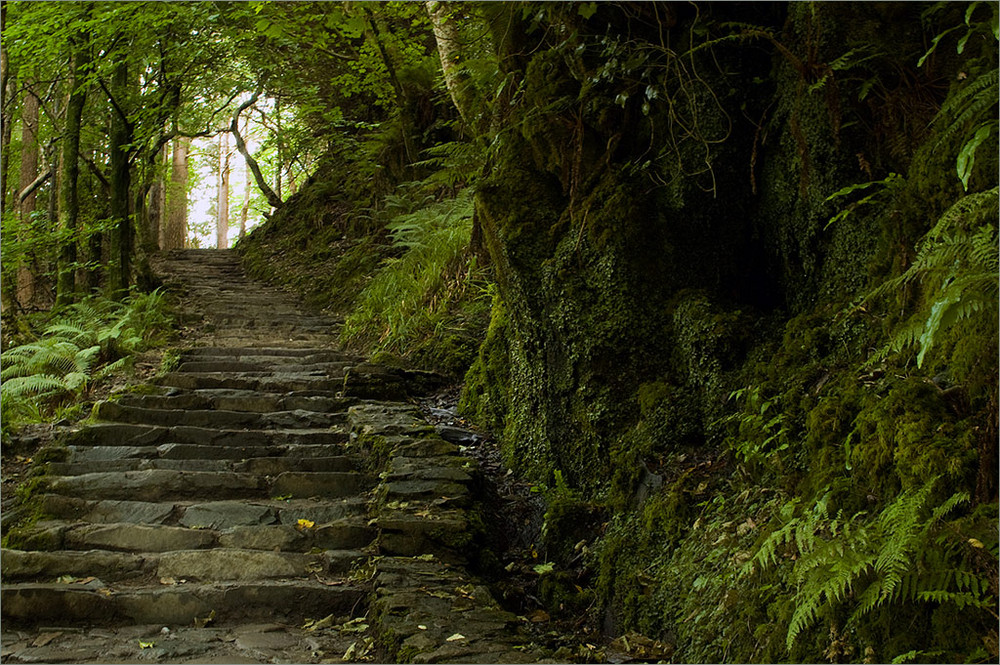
[716,284]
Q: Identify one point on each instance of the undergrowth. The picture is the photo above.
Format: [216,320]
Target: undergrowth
[420,302]
[76,348]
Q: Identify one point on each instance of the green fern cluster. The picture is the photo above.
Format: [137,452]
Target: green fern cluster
[86,342]
[906,554]
[957,267]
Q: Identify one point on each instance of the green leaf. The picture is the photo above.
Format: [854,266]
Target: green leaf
[967,156]
[587,9]
[543,568]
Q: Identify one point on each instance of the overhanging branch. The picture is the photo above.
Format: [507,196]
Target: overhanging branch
[241,145]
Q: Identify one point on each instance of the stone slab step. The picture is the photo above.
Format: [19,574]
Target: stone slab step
[217,419]
[269,466]
[275,352]
[243,365]
[214,565]
[339,534]
[193,381]
[62,604]
[240,400]
[188,451]
[132,434]
[213,514]
[162,484]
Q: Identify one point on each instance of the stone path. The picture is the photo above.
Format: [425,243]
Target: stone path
[271,499]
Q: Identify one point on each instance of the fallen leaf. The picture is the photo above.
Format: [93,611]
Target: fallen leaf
[201,623]
[456,637]
[45,638]
[85,580]
[421,626]
[146,645]
[303,524]
[168,581]
[66,579]
[104,592]
[325,622]
[975,542]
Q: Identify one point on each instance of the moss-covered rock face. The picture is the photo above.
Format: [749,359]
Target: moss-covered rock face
[727,370]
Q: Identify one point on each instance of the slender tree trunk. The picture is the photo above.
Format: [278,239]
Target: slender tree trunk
[404,119]
[69,202]
[252,164]
[119,268]
[278,146]
[155,208]
[7,118]
[222,206]
[26,206]
[175,229]
[449,49]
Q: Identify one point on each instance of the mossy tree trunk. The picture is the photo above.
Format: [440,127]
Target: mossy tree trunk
[69,202]
[121,236]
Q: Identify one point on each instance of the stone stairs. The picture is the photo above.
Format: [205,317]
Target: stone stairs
[223,513]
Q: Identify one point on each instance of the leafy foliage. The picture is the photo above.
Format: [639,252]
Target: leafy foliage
[957,267]
[906,554]
[85,343]
[418,291]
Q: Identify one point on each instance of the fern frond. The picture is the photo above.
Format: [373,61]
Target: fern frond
[36,384]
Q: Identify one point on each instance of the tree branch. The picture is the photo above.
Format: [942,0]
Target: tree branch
[258,177]
[35,184]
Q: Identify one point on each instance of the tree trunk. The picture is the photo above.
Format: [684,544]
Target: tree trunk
[222,207]
[449,49]
[6,93]
[175,228]
[26,206]
[252,164]
[69,202]
[404,120]
[278,146]
[154,204]
[119,266]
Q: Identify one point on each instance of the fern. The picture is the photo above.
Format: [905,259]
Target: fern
[35,384]
[958,268]
[902,555]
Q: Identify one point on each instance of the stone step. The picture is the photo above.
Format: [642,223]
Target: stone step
[240,400]
[130,434]
[188,451]
[215,565]
[269,357]
[219,515]
[164,484]
[267,384]
[255,368]
[266,466]
[217,418]
[68,604]
[340,534]
[254,351]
